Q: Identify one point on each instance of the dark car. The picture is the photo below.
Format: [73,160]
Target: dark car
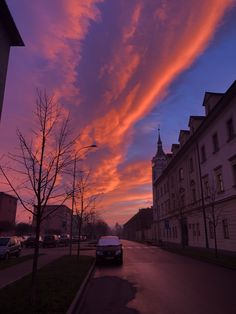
[109,248]
[51,240]
[30,242]
[64,239]
[9,246]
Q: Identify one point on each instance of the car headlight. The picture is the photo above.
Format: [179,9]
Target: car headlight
[99,253]
[118,252]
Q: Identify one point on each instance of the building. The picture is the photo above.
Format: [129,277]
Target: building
[139,227]
[194,187]
[8,206]
[57,220]
[9,36]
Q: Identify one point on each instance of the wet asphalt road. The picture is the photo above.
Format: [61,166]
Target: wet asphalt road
[152,281]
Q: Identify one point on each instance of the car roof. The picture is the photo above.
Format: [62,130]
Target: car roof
[109,240]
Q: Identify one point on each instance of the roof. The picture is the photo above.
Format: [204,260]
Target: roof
[9,24]
[209,95]
[8,195]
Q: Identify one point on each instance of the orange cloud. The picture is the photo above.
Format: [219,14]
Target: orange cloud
[152,46]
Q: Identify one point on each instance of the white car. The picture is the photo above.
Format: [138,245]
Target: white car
[109,248]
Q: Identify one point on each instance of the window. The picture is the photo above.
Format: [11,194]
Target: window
[194,195]
[181,174]
[230,129]
[225,228]
[172,181]
[232,160]
[211,230]
[206,186]
[215,142]
[182,201]
[219,179]
[203,153]
[194,231]
[173,200]
[198,229]
[191,164]
[234,173]
[219,182]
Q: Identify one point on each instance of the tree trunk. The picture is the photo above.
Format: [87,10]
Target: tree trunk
[214,225]
[79,235]
[35,260]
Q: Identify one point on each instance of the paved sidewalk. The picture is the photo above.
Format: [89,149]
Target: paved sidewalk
[16,272]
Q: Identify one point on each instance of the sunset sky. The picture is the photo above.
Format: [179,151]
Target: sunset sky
[122,68]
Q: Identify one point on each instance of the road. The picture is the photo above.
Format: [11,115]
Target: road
[153,281]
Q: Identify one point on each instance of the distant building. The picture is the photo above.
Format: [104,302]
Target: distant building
[9,36]
[8,206]
[194,194]
[139,227]
[57,220]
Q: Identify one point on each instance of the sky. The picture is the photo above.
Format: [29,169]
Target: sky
[122,68]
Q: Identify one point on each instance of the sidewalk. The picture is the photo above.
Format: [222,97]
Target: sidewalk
[16,272]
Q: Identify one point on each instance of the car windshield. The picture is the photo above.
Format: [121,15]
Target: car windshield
[109,241]
[31,239]
[4,241]
[49,238]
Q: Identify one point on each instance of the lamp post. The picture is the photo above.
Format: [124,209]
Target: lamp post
[73,190]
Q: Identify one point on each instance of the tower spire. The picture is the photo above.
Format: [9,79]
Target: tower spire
[160,151]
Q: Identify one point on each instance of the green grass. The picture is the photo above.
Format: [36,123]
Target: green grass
[14,260]
[57,284]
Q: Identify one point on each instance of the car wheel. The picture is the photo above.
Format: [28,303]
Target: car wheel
[17,254]
[7,256]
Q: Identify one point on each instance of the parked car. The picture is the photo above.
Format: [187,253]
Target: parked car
[75,239]
[22,239]
[109,248]
[51,240]
[30,242]
[64,239]
[9,246]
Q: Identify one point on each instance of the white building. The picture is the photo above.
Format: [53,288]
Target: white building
[194,188]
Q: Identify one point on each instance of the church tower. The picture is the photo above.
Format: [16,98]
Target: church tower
[159,161]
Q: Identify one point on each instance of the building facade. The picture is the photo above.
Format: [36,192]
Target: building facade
[57,220]
[139,227]
[8,206]
[9,36]
[194,194]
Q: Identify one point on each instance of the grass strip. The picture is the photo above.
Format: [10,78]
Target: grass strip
[208,256]
[57,285]
[13,261]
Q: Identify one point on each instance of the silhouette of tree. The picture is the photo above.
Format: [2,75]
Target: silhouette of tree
[39,165]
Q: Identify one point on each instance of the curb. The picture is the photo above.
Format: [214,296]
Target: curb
[76,301]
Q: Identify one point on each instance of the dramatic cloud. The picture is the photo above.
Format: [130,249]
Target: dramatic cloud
[109,63]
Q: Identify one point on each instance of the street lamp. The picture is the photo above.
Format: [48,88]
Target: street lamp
[73,190]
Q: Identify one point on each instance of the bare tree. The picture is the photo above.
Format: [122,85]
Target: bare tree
[85,200]
[214,213]
[75,172]
[39,165]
